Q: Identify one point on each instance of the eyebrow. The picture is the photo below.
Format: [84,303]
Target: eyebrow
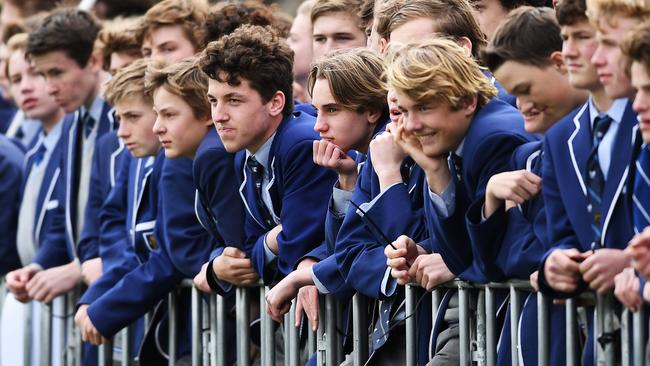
[164,44]
[520,88]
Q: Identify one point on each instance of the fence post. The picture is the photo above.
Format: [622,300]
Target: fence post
[490,326]
[331,333]
[197,325]
[639,336]
[218,331]
[571,333]
[171,307]
[267,329]
[243,326]
[294,342]
[542,330]
[360,328]
[463,324]
[411,330]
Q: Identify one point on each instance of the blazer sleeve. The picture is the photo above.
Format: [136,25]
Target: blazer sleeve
[492,156]
[560,231]
[359,248]
[10,182]
[306,191]
[118,256]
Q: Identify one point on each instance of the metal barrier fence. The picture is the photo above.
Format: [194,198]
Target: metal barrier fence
[478,333]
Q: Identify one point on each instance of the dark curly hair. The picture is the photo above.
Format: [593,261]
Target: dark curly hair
[256,54]
[225,17]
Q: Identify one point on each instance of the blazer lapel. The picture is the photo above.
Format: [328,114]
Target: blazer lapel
[618,171]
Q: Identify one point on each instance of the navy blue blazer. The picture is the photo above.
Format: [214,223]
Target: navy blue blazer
[181,247]
[495,132]
[511,244]
[11,178]
[128,219]
[49,228]
[67,194]
[219,208]
[108,150]
[566,149]
[298,189]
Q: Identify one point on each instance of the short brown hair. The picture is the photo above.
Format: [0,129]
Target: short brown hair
[225,17]
[128,82]
[384,15]
[189,14]
[256,54]
[17,43]
[598,10]
[69,30]
[570,12]
[118,35]
[323,7]
[528,35]
[438,71]
[452,18]
[367,13]
[355,78]
[183,79]
[31,7]
[636,46]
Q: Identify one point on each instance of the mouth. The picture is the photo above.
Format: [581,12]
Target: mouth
[644,124]
[327,138]
[394,114]
[29,103]
[165,143]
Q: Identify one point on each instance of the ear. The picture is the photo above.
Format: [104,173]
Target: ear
[383,45]
[95,62]
[470,106]
[276,104]
[466,44]
[373,117]
[208,122]
[557,61]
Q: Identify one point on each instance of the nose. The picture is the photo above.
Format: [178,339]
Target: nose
[598,58]
[158,126]
[640,104]
[122,131]
[219,114]
[321,124]
[569,49]
[411,122]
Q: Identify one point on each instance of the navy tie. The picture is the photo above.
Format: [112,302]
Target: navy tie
[39,155]
[88,123]
[595,177]
[257,173]
[641,195]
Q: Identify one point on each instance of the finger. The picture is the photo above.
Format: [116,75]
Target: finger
[299,308]
[315,151]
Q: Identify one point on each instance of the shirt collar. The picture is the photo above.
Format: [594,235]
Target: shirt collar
[262,154]
[459,150]
[615,112]
[95,109]
[52,138]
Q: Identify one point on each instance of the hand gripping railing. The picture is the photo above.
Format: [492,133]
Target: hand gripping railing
[478,333]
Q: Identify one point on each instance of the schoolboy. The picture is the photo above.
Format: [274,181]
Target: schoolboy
[61,49]
[459,136]
[512,240]
[128,213]
[300,42]
[181,244]
[251,99]
[118,44]
[336,24]
[171,29]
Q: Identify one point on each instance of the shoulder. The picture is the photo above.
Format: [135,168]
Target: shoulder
[563,128]
[296,131]
[210,149]
[497,119]
[11,156]
[525,153]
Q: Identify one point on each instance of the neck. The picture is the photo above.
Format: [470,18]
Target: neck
[88,103]
[273,126]
[51,120]
[601,100]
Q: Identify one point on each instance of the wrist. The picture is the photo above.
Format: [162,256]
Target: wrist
[387,179]
[492,204]
[347,181]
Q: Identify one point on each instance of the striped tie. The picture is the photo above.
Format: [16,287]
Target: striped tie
[596,178]
[641,196]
